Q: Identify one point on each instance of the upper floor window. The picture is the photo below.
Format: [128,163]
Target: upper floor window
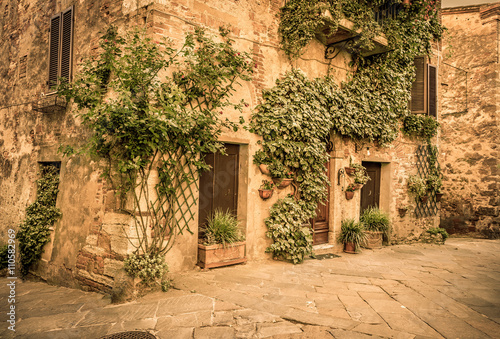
[424,88]
[61,47]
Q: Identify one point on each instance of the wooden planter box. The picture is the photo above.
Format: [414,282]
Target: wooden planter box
[373,239]
[218,255]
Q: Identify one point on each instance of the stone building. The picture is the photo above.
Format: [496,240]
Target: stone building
[87,244]
[469,119]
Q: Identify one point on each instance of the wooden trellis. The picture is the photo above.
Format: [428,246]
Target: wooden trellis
[429,207]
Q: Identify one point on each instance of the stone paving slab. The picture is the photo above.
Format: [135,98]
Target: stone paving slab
[404,291]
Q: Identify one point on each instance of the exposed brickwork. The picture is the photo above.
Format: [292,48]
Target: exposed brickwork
[469,104]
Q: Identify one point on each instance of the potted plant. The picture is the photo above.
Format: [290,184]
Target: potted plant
[352,235]
[349,191]
[417,186]
[284,179]
[266,189]
[439,195]
[360,175]
[222,243]
[433,183]
[377,225]
[261,160]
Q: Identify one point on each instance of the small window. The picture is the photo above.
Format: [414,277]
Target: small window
[61,47]
[424,88]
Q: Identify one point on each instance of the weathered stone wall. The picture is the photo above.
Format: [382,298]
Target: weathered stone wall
[88,243]
[469,119]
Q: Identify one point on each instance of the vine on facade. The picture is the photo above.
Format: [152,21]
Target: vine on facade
[151,110]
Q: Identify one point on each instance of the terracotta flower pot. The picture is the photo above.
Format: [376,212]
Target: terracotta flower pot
[439,196]
[264,169]
[349,195]
[350,247]
[350,171]
[265,194]
[282,182]
[218,255]
[424,199]
[402,212]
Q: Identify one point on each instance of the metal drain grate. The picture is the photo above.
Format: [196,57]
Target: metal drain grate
[130,335]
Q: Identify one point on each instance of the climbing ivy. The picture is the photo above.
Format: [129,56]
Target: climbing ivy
[34,231]
[150,109]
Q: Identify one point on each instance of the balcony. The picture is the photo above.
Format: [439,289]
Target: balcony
[50,104]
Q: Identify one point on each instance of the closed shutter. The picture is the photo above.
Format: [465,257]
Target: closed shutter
[66,44]
[418,93]
[54,43]
[432,93]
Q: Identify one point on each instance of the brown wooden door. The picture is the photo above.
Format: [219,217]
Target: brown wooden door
[320,224]
[370,193]
[219,185]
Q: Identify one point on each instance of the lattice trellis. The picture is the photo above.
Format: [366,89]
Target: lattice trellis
[429,207]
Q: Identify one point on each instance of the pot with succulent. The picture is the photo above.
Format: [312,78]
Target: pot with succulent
[349,191]
[352,235]
[222,243]
[417,186]
[377,225]
[266,189]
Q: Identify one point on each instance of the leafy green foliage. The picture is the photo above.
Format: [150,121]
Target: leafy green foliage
[417,186]
[292,239]
[421,126]
[438,230]
[352,231]
[374,219]
[34,231]
[149,268]
[4,256]
[148,107]
[221,228]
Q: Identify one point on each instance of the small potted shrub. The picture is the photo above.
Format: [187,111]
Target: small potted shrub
[261,160]
[352,235]
[377,225]
[222,243]
[349,191]
[266,189]
[418,187]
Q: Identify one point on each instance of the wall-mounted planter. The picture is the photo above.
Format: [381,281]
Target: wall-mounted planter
[264,169]
[439,196]
[350,171]
[282,182]
[349,195]
[217,255]
[424,199]
[402,212]
[265,194]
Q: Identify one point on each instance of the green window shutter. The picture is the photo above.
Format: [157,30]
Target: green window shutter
[66,44]
[432,91]
[54,44]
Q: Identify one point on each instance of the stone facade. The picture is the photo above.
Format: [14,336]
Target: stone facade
[469,119]
[89,242]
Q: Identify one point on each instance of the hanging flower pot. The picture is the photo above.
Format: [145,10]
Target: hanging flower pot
[439,195]
[265,194]
[424,199]
[350,171]
[402,211]
[349,195]
[264,169]
[282,182]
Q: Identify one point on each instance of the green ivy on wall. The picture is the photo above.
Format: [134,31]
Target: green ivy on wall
[34,231]
[298,115]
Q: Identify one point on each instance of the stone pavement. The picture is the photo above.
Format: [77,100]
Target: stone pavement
[403,291]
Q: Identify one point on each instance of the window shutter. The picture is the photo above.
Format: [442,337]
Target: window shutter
[418,93]
[432,95]
[66,44]
[55,27]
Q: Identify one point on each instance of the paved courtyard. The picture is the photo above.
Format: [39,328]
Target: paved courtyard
[404,291]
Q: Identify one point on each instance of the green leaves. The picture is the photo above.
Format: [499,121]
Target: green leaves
[34,232]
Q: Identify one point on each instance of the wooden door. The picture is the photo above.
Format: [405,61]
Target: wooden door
[219,185]
[370,193]
[320,224]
